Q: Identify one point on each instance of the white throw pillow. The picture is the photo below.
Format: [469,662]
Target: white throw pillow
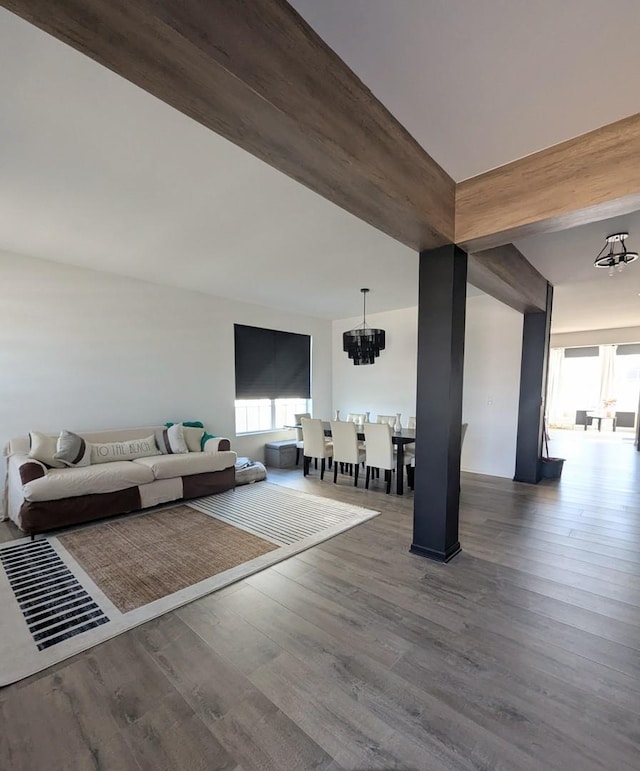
[193,438]
[109,452]
[43,448]
[171,441]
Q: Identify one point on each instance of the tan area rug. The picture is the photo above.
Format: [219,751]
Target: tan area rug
[61,594]
[136,561]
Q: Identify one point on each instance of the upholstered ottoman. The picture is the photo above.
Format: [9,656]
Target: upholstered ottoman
[280,454]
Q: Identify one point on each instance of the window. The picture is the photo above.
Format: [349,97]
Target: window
[580,376]
[268,414]
[627,378]
[581,383]
[273,377]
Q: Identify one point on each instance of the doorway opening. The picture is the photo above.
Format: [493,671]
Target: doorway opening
[592,404]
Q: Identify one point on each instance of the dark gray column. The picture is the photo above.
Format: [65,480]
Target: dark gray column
[441,317]
[533,385]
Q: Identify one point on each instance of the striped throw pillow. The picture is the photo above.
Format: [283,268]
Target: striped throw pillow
[171,440]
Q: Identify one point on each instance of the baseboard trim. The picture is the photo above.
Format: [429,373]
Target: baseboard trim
[433,554]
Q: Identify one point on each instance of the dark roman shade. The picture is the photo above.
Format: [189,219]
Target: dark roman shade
[271,364]
[581,353]
[628,349]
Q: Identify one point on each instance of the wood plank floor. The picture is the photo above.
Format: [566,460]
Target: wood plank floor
[522,653]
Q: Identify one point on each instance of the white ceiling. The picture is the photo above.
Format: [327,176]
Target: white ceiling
[96,172]
[481,83]
[586,297]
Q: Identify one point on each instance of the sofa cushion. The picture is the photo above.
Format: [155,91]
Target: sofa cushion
[73,450]
[167,466]
[87,480]
[108,452]
[43,447]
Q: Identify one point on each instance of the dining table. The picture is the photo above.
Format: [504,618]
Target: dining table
[399,439]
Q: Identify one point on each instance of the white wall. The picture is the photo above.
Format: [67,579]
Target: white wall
[493,347]
[388,386]
[81,349]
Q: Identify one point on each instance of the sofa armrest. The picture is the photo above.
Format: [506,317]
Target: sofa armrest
[217,444]
[21,469]
[27,468]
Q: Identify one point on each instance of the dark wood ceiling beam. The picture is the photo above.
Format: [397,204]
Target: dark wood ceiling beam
[587,179]
[506,274]
[256,73]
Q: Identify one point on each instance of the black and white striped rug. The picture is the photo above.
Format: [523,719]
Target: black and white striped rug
[277,514]
[54,604]
[50,609]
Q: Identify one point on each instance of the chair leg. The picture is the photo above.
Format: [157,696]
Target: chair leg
[335,473]
[305,465]
[330,461]
[355,474]
[377,473]
[322,465]
[315,461]
[297,455]
[410,476]
[368,474]
[387,476]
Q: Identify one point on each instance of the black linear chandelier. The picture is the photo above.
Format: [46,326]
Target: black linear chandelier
[615,259]
[363,344]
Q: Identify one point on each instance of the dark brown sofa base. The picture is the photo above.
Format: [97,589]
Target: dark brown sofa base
[42,516]
[209,483]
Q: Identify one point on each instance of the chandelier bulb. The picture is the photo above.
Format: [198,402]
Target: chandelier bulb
[621,267]
[611,271]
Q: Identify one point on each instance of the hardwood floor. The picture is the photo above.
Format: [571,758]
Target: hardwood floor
[522,653]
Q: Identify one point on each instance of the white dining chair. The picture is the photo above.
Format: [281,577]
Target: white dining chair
[346,448]
[315,445]
[299,440]
[359,418]
[409,449]
[390,420]
[379,451]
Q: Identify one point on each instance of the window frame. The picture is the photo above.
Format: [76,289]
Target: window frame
[276,425]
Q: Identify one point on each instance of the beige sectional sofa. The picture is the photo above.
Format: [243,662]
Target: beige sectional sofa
[38,498]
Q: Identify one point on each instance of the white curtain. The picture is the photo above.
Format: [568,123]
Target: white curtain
[607,376]
[554,387]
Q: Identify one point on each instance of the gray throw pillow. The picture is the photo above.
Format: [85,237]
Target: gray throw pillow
[73,450]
